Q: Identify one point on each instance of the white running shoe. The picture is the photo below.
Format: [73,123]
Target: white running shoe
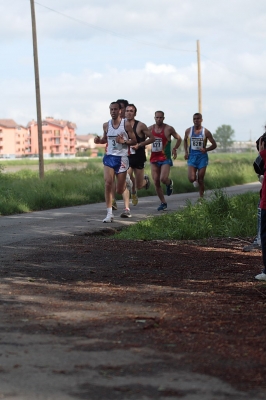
[261,277]
[196,184]
[108,218]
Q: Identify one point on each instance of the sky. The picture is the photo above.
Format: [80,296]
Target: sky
[92,52]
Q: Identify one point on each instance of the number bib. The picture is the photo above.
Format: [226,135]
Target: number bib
[196,143]
[113,145]
[157,145]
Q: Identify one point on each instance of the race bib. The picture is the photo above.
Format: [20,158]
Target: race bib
[157,145]
[196,143]
[112,144]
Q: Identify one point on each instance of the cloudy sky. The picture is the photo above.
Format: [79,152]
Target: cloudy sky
[92,52]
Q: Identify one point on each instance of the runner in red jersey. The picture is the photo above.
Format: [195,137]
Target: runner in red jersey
[161,156]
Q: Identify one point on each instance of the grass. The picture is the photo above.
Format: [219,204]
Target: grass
[23,191]
[220,216]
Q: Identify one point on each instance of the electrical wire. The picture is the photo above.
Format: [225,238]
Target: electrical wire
[113,32]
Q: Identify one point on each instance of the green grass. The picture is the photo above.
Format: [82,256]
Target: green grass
[23,191]
[220,216]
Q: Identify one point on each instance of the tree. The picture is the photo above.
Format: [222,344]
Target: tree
[224,137]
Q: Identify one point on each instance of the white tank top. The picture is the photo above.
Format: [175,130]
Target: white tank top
[113,148]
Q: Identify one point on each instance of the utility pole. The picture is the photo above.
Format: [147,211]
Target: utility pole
[37,87]
[199,78]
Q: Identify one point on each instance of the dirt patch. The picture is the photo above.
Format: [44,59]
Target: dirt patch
[173,297]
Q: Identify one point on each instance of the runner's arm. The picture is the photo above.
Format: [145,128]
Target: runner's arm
[132,138]
[102,140]
[186,144]
[178,143]
[148,134]
[212,140]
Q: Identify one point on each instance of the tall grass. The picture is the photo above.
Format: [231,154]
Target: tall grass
[220,216]
[24,191]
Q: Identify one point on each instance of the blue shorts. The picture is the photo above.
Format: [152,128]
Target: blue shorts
[118,163]
[198,160]
[165,162]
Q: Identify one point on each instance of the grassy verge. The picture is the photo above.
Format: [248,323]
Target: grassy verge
[23,191]
[220,216]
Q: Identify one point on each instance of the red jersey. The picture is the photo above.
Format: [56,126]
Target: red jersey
[263,189]
[161,147]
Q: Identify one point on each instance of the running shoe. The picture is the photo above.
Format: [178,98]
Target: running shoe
[252,247]
[126,213]
[108,218]
[148,182]
[170,188]
[261,277]
[162,207]
[196,184]
[129,183]
[114,205]
[134,199]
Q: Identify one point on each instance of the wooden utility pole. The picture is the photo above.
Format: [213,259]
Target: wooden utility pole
[37,86]
[199,78]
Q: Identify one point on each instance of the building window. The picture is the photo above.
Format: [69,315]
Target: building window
[57,132]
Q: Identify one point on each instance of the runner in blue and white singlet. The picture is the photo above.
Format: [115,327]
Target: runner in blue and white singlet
[195,146]
[196,141]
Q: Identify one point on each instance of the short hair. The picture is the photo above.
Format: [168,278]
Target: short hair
[123,101]
[159,112]
[133,105]
[198,114]
[116,102]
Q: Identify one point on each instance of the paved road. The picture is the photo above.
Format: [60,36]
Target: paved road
[88,218]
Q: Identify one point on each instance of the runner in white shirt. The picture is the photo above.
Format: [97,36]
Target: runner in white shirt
[119,135]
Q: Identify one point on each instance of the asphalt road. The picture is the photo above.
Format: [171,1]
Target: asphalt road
[88,218]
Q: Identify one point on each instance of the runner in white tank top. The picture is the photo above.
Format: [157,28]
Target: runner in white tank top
[119,135]
[114,148]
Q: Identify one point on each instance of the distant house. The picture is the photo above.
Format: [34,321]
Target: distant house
[86,142]
[12,139]
[59,137]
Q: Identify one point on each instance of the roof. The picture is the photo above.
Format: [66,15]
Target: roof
[85,138]
[8,123]
[57,122]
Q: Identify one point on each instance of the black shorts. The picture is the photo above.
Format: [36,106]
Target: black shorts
[137,161]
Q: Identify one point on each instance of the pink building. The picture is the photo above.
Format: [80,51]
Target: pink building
[59,138]
[12,139]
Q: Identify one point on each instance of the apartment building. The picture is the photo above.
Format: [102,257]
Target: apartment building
[12,139]
[59,138]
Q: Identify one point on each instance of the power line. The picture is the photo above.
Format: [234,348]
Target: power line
[99,28]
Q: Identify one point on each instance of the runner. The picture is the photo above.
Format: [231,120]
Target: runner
[137,156]
[195,142]
[161,156]
[119,135]
[123,103]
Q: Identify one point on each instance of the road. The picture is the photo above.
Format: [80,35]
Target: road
[88,218]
